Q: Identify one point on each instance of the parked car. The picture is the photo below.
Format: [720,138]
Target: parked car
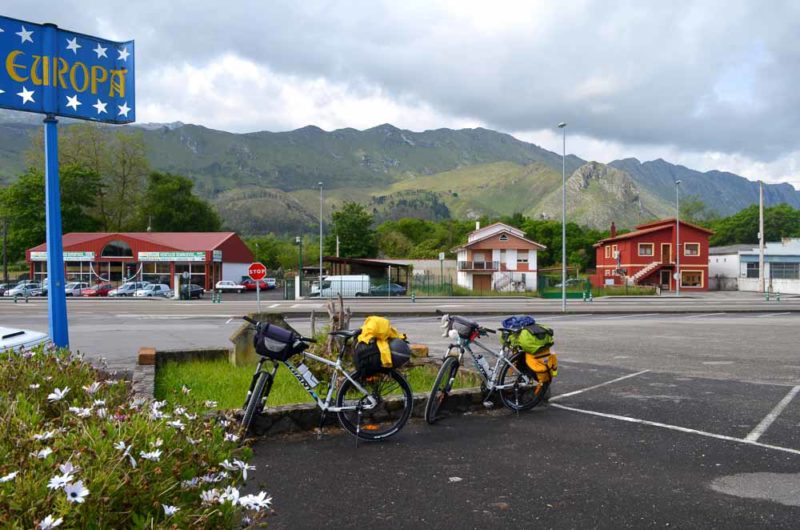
[128,288]
[12,338]
[4,287]
[24,289]
[154,289]
[195,291]
[100,289]
[391,289]
[271,283]
[227,285]
[75,288]
[250,285]
[347,285]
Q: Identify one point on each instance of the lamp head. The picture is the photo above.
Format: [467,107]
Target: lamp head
[677,182]
[562,125]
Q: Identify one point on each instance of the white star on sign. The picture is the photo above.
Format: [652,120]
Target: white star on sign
[73,102]
[73,45]
[100,106]
[25,35]
[2,91]
[124,109]
[123,54]
[26,95]
[100,51]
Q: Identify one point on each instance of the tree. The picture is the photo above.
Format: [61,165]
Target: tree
[117,156]
[694,210]
[353,225]
[22,204]
[779,221]
[169,205]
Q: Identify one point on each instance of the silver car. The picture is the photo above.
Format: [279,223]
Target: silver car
[25,289]
[154,289]
[128,289]
[75,288]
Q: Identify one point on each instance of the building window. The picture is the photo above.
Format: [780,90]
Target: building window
[784,271]
[752,270]
[608,251]
[117,249]
[157,272]
[691,279]
[503,237]
[608,272]
[645,249]
[691,249]
[522,259]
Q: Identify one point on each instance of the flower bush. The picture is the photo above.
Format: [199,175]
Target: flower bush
[78,452]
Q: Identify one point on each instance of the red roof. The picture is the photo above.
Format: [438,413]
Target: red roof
[670,221]
[649,228]
[185,241]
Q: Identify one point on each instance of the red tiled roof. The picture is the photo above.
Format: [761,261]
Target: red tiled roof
[671,220]
[651,227]
[186,241]
[635,233]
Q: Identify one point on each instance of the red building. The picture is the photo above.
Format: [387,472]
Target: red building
[647,256]
[156,257]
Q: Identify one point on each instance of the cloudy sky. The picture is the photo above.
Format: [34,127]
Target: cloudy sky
[711,84]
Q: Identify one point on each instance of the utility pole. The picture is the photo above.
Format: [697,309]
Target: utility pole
[761,286]
[563,126]
[677,239]
[5,250]
[320,235]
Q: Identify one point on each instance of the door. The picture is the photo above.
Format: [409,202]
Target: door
[666,252]
[482,283]
[665,280]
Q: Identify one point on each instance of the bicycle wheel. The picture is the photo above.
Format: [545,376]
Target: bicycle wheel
[441,389]
[254,403]
[393,394]
[524,390]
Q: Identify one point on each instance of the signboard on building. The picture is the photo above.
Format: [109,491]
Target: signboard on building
[68,256]
[49,70]
[217,256]
[172,256]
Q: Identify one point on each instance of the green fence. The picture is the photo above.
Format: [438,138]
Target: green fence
[549,286]
[429,285]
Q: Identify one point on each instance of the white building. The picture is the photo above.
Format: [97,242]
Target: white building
[781,267]
[723,267]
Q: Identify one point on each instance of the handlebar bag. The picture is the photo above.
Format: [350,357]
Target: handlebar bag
[276,342]
[464,327]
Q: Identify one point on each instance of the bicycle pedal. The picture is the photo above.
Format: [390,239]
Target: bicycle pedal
[488,404]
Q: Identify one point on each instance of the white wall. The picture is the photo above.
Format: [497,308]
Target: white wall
[511,259]
[464,279]
[725,265]
[234,271]
[778,286]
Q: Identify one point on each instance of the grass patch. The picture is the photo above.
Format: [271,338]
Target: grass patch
[621,290]
[227,384]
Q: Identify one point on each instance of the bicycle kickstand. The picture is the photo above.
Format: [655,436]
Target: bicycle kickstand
[321,423]
[358,426]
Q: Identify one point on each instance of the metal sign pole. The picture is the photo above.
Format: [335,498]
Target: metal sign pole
[56,296]
[258,295]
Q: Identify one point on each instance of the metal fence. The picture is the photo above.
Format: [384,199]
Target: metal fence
[372,287]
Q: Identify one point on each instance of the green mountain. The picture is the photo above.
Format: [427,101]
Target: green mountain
[267,181]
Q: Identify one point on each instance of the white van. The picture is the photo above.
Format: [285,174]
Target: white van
[347,286]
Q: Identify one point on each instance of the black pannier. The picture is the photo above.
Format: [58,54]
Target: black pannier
[465,327]
[276,342]
[367,356]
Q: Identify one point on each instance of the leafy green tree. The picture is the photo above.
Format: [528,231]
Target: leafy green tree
[353,225]
[694,210]
[779,221]
[169,205]
[23,205]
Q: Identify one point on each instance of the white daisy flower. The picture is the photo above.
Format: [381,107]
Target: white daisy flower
[190,483]
[209,497]
[81,412]
[93,388]
[256,502]
[34,386]
[169,510]
[158,404]
[99,403]
[185,390]
[48,522]
[230,494]
[136,403]
[224,423]
[57,394]
[179,410]
[153,456]
[156,414]
[68,468]
[59,481]
[120,445]
[244,467]
[44,453]
[44,436]
[176,424]
[50,378]
[101,412]
[230,437]
[9,477]
[210,404]
[190,417]
[227,465]
[192,441]
[158,443]
[76,492]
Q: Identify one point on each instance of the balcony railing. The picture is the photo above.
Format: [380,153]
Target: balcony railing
[478,265]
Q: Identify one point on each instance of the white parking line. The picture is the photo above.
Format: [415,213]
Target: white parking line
[677,428]
[568,394]
[701,315]
[274,305]
[773,315]
[762,427]
[630,316]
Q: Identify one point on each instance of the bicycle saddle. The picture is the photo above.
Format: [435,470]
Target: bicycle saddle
[348,333]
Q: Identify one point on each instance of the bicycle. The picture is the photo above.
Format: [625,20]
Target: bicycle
[370,407]
[519,389]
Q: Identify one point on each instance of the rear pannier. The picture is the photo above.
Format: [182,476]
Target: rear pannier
[367,356]
[276,342]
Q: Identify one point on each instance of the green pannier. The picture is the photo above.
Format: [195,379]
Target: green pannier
[533,339]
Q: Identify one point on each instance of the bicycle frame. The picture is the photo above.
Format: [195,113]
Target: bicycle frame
[465,345]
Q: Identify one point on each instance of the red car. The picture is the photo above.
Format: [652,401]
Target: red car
[101,289]
[250,285]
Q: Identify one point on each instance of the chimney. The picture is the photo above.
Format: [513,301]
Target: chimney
[613,229]
[477,225]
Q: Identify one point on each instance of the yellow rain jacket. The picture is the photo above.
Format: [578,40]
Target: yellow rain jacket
[381,330]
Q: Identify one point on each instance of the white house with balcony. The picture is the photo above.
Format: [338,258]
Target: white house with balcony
[497,258]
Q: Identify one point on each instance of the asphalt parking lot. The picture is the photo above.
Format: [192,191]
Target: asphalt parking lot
[615,448]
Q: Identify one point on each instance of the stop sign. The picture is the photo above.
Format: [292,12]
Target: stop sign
[257,271]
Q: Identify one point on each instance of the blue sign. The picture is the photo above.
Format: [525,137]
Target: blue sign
[49,70]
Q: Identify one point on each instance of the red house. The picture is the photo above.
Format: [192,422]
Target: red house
[647,256]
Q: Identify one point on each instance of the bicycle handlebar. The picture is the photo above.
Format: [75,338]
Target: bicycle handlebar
[487,330]
[248,319]
[299,337]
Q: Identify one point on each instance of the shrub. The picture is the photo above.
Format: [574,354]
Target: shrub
[76,448]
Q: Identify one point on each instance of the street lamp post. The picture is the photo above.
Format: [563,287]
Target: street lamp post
[677,239]
[563,127]
[299,242]
[320,234]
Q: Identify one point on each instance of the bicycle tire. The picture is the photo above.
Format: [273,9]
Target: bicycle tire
[439,392]
[385,419]
[254,401]
[511,398]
